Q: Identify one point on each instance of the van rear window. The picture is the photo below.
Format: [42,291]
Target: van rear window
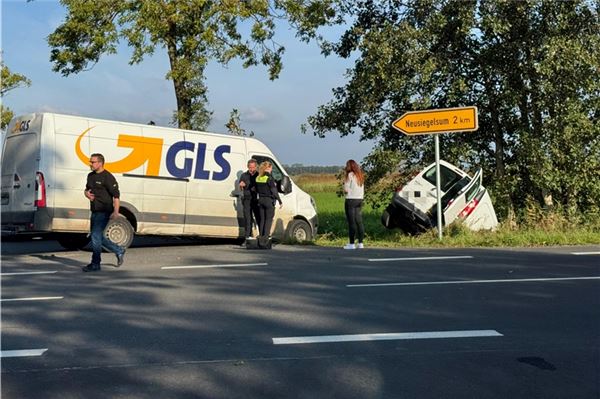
[448,177]
[20,154]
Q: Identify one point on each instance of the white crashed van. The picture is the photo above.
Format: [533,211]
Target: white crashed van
[172,181]
[414,207]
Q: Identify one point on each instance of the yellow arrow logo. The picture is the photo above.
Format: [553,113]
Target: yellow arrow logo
[144,149]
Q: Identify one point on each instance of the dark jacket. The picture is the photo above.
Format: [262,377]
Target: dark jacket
[104,186]
[266,186]
[250,185]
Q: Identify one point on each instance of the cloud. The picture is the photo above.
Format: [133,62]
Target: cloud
[114,83]
[56,109]
[255,115]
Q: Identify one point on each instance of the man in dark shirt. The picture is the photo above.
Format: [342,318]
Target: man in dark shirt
[102,190]
[249,197]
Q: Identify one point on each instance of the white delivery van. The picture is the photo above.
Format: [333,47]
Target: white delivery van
[414,206]
[172,181]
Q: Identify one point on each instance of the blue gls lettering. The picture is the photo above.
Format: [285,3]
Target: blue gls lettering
[222,162]
[199,172]
[200,156]
[186,171]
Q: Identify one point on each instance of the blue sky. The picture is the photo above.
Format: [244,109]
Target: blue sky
[115,90]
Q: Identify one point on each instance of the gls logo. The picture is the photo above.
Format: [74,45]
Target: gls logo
[149,150]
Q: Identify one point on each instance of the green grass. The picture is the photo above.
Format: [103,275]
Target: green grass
[333,231]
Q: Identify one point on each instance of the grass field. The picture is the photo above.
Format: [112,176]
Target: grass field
[333,229]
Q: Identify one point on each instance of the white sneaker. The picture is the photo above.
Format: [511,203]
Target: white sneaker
[360,245]
[349,246]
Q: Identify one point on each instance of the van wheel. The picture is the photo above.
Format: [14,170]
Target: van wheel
[73,241]
[120,231]
[299,231]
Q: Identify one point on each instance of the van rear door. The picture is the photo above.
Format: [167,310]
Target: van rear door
[462,198]
[20,162]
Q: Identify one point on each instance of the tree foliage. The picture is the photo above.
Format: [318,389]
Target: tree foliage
[234,125]
[193,32]
[531,67]
[9,81]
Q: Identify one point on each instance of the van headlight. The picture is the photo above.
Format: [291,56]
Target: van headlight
[313,203]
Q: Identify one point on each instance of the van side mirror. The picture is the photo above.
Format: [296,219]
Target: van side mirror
[284,185]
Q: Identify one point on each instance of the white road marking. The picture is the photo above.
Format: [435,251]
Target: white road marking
[385,336]
[23,353]
[42,298]
[585,253]
[514,280]
[25,273]
[214,266]
[422,258]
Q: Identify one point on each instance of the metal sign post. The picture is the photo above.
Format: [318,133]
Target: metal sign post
[438,185]
[434,121]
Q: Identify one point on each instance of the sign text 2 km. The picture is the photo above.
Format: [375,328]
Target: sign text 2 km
[445,120]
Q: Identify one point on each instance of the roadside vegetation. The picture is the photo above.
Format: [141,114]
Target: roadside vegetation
[534,226]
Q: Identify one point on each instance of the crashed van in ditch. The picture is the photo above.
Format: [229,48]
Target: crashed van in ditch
[414,207]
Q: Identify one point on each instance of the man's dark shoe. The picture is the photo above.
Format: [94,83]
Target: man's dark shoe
[91,268]
[120,258]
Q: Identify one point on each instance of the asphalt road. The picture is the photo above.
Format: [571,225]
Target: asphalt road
[300,322]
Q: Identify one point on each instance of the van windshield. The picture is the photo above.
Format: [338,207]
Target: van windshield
[447,180]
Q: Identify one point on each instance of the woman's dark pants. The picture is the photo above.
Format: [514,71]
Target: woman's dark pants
[267,212]
[353,208]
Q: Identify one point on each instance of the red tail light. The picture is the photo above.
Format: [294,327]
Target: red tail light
[40,190]
[468,209]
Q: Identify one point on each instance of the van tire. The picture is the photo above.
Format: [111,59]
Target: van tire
[299,231]
[120,231]
[73,241]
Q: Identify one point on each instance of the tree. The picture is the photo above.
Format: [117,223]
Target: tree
[8,82]
[193,32]
[234,125]
[530,66]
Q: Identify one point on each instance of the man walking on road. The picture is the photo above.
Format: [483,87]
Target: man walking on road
[102,190]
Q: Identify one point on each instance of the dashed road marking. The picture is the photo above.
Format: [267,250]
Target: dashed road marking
[214,266]
[385,336]
[23,353]
[515,280]
[420,258]
[585,253]
[41,298]
[26,273]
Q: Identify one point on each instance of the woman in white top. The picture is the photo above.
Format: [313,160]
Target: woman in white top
[354,189]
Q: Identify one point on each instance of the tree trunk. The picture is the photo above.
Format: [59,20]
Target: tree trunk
[183,100]
[498,141]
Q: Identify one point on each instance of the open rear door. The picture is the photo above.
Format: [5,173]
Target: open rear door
[462,198]
[19,165]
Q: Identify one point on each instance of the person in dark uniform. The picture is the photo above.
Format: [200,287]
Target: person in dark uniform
[102,190]
[266,187]
[249,197]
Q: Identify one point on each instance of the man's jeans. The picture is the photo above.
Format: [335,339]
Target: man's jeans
[99,221]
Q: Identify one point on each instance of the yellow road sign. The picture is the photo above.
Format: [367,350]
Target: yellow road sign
[463,119]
